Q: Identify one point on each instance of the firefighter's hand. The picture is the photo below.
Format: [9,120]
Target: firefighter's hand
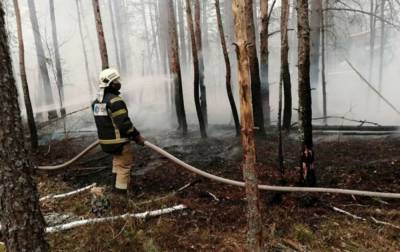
[139,140]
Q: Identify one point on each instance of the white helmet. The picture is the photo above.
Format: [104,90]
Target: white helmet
[107,76]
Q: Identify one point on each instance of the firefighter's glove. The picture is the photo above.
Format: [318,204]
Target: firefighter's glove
[139,140]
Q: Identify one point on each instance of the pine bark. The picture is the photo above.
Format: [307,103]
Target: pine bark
[228,69]
[44,72]
[24,80]
[175,68]
[59,75]
[196,69]
[264,60]
[285,71]
[254,235]
[199,46]
[258,113]
[100,35]
[305,111]
[85,57]
[23,224]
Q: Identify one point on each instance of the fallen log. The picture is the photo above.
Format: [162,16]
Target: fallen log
[64,195]
[143,215]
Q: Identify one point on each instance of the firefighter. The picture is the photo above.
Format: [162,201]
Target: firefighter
[114,127]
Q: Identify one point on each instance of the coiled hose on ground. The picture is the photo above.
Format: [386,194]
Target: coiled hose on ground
[232,182]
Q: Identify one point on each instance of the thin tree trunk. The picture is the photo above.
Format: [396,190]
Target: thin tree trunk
[115,40]
[85,57]
[44,72]
[372,25]
[182,40]
[154,36]
[315,23]
[285,71]
[124,48]
[59,79]
[176,68]
[228,69]
[24,80]
[382,49]
[204,25]
[22,223]
[254,234]
[196,69]
[147,38]
[264,60]
[100,35]
[199,46]
[323,69]
[280,144]
[258,114]
[305,111]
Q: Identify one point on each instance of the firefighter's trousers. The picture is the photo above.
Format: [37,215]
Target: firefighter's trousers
[122,165]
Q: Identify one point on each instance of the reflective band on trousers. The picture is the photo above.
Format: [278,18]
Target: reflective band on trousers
[114,141]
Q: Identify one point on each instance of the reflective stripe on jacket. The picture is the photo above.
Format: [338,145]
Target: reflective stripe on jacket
[114,126]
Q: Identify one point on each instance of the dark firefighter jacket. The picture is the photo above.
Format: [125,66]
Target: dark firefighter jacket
[114,127]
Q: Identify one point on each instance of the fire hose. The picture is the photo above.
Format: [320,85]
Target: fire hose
[233,182]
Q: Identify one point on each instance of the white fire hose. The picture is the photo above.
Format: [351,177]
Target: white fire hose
[234,182]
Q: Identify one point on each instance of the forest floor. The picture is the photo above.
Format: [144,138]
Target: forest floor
[296,222]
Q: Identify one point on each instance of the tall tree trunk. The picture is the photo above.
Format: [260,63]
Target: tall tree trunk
[85,57]
[204,20]
[182,40]
[176,68]
[196,69]
[228,69]
[59,77]
[315,26]
[24,80]
[115,40]
[285,71]
[44,72]
[323,59]
[199,46]
[100,35]
[258,113]
[154,36]
[147,38]
[124,48]
[254,233]
[305,111]
[22,223]
[264,60]
[372,32]
[382,49]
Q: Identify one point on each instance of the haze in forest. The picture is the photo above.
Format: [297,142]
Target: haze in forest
[145,86]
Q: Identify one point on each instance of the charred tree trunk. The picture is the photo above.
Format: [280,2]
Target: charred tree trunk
[228,69]
[59,75]
[85,57]
[182,40]
[196,69]
[24,80]
[100,35]
[305,111]
[22,223]
[44,72]
[285,71]
[323,62]
[115,40]
[199,46]
[264,60]
[254,235]
[176,68]
[258,114]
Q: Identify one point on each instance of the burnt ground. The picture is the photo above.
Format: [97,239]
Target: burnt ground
[291,221]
